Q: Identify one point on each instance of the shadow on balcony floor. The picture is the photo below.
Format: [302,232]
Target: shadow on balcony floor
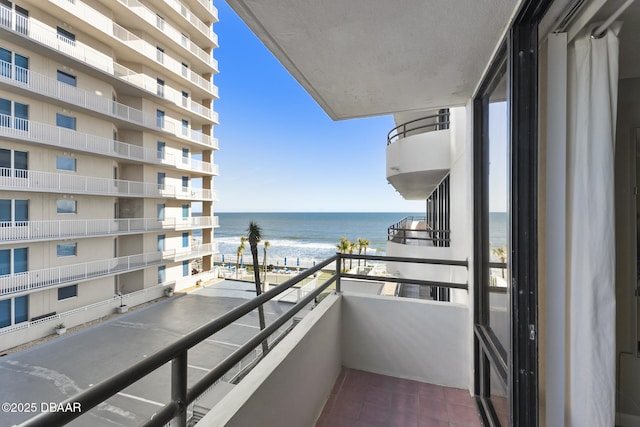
[362,398]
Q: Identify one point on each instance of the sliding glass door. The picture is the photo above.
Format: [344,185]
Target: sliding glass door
[505,228]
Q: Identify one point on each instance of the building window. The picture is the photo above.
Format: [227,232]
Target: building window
[64,206]
[161,149]
[159,22]
[161,243]
[185,99]
[19,71]
[66,78]
[185,211]
[162,276]
[160,211]
[185,183]
[13,212]
[20,311]
[160,90]
[64,121]
[13,261]
[185,70]
[161,178]
[66,36]
[160,54]
[66,249]
[66,163]
[160,118]
[185,155]
[14,114]
[185,240]
[67,292]
[185,268]
[14,163]
[5,313]
[185,127]
[438,215]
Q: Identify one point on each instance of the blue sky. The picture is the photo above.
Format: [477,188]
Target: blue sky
[279,151]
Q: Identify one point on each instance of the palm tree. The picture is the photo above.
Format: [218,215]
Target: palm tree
[501,254]
[239,253]
[267,245]
[255,235]
[352,247]
[343,247]
[365,244]
[361,247]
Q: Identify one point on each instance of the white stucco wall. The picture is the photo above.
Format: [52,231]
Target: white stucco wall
[291,385]
[421,340]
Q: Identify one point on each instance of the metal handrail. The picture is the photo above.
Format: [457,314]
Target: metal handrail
[176,353]
[399,132]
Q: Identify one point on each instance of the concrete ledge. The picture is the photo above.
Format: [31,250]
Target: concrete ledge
[290,386]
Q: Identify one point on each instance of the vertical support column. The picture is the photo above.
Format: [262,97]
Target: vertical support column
[338,273]
[179,388]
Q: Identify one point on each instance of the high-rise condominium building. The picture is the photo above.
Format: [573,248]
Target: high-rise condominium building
[106,152]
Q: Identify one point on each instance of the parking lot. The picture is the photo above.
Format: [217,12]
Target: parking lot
[61,368]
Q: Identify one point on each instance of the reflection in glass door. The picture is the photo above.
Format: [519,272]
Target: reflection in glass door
[492,276]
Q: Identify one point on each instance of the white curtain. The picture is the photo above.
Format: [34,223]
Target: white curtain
[593,95]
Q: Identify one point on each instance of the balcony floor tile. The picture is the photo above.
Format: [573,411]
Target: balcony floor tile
[362,398]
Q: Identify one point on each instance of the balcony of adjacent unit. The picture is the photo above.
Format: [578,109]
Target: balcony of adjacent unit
[17,129]
[32,280]
[33,231]
[97,20]
[356,358]
[418,154]
[50,182]
[23,30]
[166,32]
[178,9]
[33,83]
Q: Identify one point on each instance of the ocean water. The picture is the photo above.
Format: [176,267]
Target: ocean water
[308,237]
[305,236]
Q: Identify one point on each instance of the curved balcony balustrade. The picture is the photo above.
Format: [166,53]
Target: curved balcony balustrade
[74,273]
[47,36]
[49,182]
[36,132]
[418,155]
[29,231]
[430,123]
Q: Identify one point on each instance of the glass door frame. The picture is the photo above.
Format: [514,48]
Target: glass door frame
[517,364]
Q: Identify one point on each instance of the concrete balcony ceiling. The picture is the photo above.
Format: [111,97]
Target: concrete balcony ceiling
[361,58]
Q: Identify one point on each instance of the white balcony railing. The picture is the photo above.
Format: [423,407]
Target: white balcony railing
[97,19]
[48,36]
[43,85]
[29,180]
[38,279]
[27,130]
[193,19]
[152,18]
[151,52]
[14,231]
